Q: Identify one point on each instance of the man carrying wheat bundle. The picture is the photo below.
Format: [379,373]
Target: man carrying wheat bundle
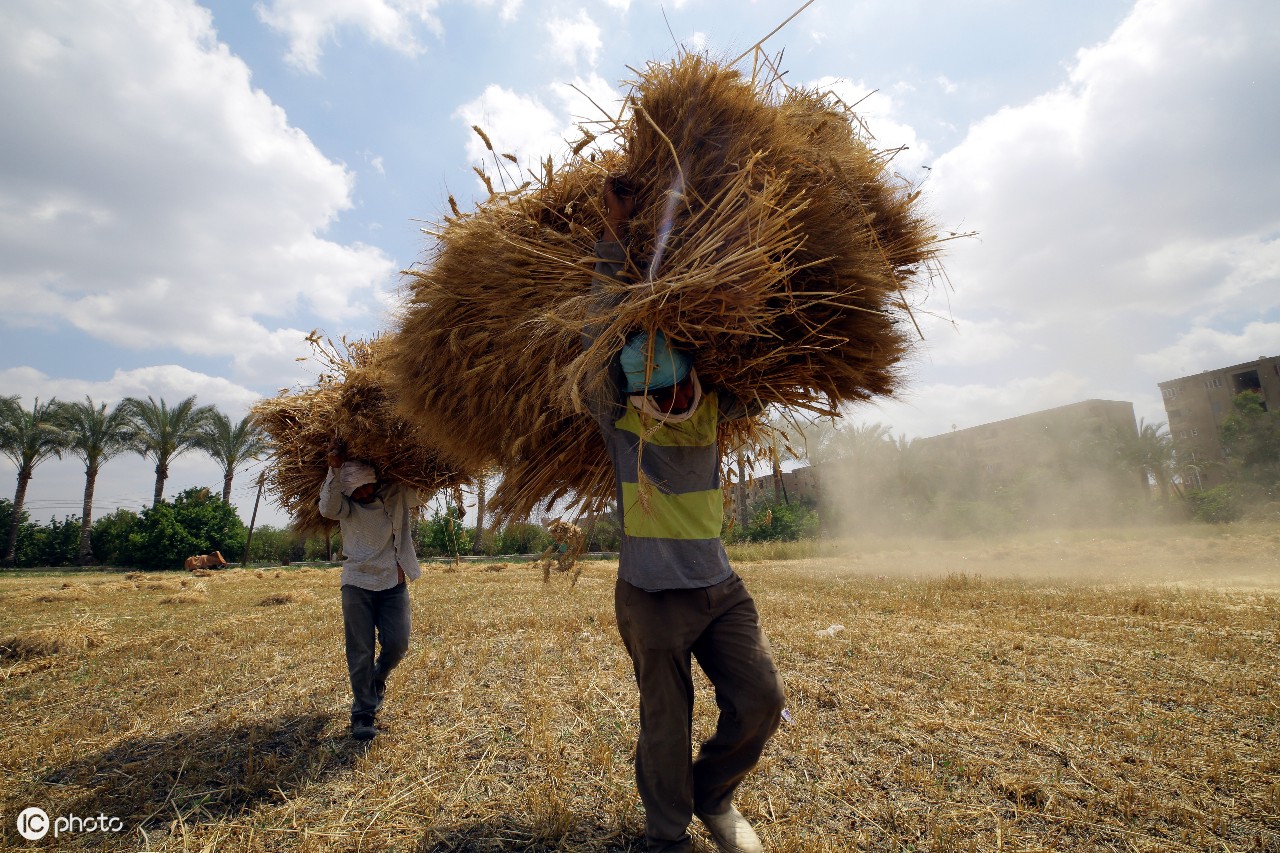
[379,560]
[676,595]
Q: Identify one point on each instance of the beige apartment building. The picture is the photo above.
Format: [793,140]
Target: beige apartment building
[1003,447]
[1197,405]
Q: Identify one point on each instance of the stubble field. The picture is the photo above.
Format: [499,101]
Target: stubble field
[1086,691]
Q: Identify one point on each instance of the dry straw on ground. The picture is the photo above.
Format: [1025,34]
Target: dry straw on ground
[983,696]
[770,238]
[350,399]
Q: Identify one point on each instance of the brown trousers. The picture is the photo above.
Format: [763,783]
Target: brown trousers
[719,626]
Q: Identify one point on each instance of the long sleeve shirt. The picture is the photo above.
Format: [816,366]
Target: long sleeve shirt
[671,533]
[377,537]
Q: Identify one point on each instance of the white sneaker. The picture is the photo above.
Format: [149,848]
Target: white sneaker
[732,832]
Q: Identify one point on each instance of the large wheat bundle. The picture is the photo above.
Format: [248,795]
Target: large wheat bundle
[769,238]
[350,400]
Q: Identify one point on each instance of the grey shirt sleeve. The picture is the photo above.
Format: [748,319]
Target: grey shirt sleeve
[604,400]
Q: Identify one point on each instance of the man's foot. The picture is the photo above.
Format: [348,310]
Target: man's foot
[362,727]
[731,832]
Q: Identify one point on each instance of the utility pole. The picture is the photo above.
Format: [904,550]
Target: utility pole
[244,559]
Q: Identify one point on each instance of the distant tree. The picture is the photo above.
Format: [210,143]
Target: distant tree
[1147,453]
[232,445]
[28,438]
[165,433]
[95,435]
[1251,438]
[477,545]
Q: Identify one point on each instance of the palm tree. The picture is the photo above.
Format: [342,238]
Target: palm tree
[164,433]
[28,438]
[1148,453]
[482,482]
[232,445]
[95,435]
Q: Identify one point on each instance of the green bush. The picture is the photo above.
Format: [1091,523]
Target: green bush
[443,534]
[778,522]
[57,544]
[1218,505]
[522,538]
[197,522]
[109,537]
[604,534]
[26,533]
[158,541]
[274,545]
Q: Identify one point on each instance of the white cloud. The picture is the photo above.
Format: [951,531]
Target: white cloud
[151,197]
[575,40]
[1204,348]
[1131,207]
[525,126]
[1154,150]
[620,5]
[169,382]
[515,124]
[310,24]
[969,343]
[509,11]
[933,408]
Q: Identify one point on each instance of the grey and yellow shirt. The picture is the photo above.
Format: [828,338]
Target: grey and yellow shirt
[671,528]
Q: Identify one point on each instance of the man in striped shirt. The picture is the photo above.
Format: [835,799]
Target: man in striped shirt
[379,560]
[676,597]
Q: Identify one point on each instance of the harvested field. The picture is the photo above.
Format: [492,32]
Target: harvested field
[1095,691]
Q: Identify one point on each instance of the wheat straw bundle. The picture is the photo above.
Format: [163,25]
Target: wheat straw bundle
[769,238]
[349,400]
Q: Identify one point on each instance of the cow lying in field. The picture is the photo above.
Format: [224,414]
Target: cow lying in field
[205,561]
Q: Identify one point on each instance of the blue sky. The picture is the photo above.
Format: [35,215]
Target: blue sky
[186,190]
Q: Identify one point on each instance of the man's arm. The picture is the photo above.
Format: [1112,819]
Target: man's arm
[732,408]
[333,504]
[604,400]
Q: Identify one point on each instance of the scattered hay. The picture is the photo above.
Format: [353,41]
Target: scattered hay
[67,592]
[202,573]
[567,544]
[786,250]
[280,598]
[162,585]
[349,400]
[43,642]
[197,593]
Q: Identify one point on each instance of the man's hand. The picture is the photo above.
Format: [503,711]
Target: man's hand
[619,207]
[336,452]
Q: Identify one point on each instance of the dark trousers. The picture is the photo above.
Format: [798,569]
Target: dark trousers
[719,626]
[368,617]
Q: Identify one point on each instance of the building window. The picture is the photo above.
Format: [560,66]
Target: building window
[1195,432]
[1170,393]
[1216,382]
